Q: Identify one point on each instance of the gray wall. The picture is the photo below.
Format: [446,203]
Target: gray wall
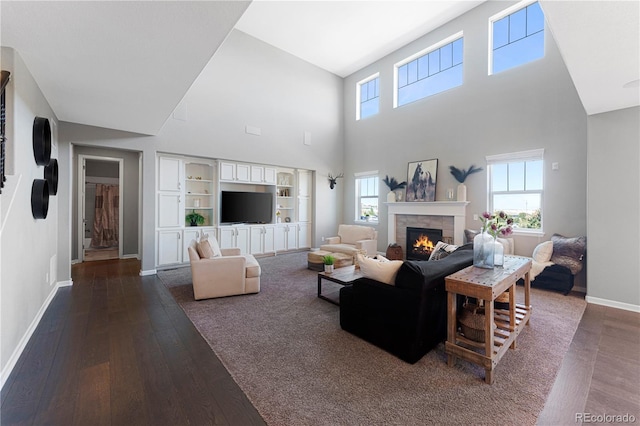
[614,208]
[131,184]
[528,107]
[28,247]
[247,82]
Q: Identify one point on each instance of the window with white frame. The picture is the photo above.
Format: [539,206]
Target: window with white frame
[368,97]
[516,186]
[433,70]
[367,196]
[516,37]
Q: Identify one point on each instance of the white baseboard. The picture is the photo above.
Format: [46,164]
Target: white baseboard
[149,272]
[13,359]
[130,256]
[612,304]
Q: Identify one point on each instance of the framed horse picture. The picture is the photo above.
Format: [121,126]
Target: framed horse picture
[421,180]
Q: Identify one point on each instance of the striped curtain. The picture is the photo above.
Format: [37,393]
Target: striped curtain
[105,221]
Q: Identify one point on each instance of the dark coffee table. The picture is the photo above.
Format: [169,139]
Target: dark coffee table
[342,276]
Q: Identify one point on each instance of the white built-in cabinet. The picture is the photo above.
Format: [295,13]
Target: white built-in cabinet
[246,173]
[262,239]
[186,185]
[234,236]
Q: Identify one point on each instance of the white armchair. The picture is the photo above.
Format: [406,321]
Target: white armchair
[352,239]
[225,273]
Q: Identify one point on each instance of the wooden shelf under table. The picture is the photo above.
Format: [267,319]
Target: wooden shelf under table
[487,285]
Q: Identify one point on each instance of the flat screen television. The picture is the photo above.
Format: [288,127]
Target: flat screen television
[246,207]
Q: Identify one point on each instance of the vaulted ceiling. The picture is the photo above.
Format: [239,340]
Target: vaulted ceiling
[126,65]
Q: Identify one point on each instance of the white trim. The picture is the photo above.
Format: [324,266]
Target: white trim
[419,54]
[530,155]
[502,14]
[81,199]
[148,272]
[364,174]
[358,92]
[15,356]
[612,304]
[130,256]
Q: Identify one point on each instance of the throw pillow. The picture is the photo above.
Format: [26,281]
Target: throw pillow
[208,248]
[569,252]
[204,249]
[469,235]
[442,250]
[543,252]
[382,269]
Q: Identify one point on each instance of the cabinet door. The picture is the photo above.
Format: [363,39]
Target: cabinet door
[280,237]
[189,234]
[292,237]
[169,247]
[304,235]
[227,237]
[243,172]
[268,240]
[270,175]
[257,174]
[169,210]
[242,239]
[169,174]
[227,171]
[304,209]
[257,234]
[304,183]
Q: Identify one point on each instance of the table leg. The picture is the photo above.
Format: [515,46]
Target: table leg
[488,328]
[512,312]
[527,293]
[451,324]
[488,376]
[319,285]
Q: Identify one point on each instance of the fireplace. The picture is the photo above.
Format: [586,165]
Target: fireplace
[421,241]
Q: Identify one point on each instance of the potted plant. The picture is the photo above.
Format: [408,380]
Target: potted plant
[328,261]
[461,176]
[194,218]
[393,184]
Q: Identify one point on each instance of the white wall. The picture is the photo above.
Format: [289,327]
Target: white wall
[613,255]
[26,245]
[247,82]
[528,107]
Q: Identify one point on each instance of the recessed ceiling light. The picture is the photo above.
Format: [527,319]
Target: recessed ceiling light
[632,84]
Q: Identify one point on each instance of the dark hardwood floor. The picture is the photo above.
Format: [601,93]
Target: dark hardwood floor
[116,349]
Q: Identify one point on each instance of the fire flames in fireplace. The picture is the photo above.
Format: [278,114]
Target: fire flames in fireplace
[421,242]
[423,246]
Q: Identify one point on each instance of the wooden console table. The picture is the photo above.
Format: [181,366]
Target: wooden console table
[487,285]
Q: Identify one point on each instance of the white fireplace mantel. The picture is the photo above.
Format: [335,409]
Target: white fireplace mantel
[455,209]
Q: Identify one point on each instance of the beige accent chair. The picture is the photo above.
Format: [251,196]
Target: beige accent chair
[227,273]
[353,239]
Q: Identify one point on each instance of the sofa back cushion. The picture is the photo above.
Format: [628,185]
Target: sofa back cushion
[350,234]
[421,275]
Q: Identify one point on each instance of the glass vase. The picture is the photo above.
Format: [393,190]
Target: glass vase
[483,250]
[498,255]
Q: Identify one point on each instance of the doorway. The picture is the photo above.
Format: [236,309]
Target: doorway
[100,194]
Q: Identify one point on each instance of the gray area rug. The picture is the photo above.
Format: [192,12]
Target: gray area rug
[286,350]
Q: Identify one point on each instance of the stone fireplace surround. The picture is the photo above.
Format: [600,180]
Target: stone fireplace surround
[450,216]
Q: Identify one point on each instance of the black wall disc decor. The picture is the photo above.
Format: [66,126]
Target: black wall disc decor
[51,176]
[41,141]
[39,199]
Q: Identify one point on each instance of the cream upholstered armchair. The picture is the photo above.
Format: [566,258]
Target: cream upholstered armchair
[221,272]
[352,239]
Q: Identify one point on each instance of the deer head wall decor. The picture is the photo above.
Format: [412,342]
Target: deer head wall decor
[332,180]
